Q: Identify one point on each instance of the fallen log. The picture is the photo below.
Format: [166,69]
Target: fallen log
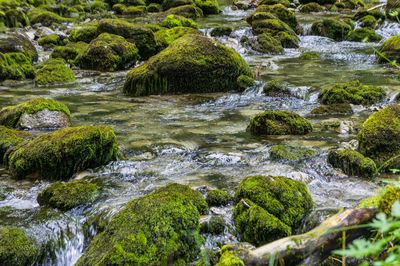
[313,247]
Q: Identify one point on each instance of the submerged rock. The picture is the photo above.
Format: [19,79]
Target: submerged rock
[273,122]
[275,88]
[288,153]
[331,28]
[10,138]
[54,71]
[221,31]
[193,63]
[39,113]
[159,228]
[62,153]
[67,195]
[352,163]
[310,55]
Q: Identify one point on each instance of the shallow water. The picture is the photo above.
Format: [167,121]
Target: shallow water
[200,140]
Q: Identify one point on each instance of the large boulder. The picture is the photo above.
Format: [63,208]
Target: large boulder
[54,71]
[166,36]
[281,12]
[10,138]
[273,122]
[18,43]
[363,35]
[108,52]
[69,52]
[331,28]
[379,137]
[191,64]
[62,153]
[208,6]
[16,66]
[39,113]
[160,228]
[389,50]
[352,163]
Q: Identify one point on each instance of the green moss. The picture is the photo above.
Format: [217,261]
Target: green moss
[44,17]
[371,202]
[158,229]
[245,82]
[65,196]
[379,136]
[62,153]
[54,71]
[333,109]
[331,28]
[50,40]
[285,3]
[363,35]
[10,138]
[352,163]
[10,115]
[388,197]
[84,33]
[389,50]
[287,40]
[274,122]
[218,197]
[310,55]
[167,4]
[258,16]
[172,21]
[311,7]
[15,66]
[353,92]
[208,6]
[221,31]
[276,88]
[193,63]
[266,43]
[287,199]
[256,225]
[135,11]
[18,43]
[228,258]
[119,8]
[376,13]
[188,11]
[369,21]
[215,226]
[321,2]
[70,51]
[153,8]
[14,18]
[288,153]
[108,52]
[281,12]
[272,26]
[165,37]
[16,248]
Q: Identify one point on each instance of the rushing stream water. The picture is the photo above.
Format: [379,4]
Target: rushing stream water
[200,140]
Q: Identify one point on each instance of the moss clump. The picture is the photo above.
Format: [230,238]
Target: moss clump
[54,72]
[282,152]
[108,52]
[389,196]
[390,50]
[369,21]
[218,197]
[353,92]
[188,11]
[363,35]
[16,248]
[287,40]
[331,28]
[10,138]
[276,88]
[310,55]
[228,257]
[14,18]
[84,33]
[221,31]
[193,63]
[379,136]
[208,6]
[272,26]
[281,12]
[153,8]
[64,152]
[135,11]
[266,43]
[216,225]
[10,115]
[245,82]
[15,66]
[274,122]
[165,37]
[50,40]
[65,196]
[311,7]
[167,4]
[18,43]
[333,109]
[172,21]
[44,17]
[158,229]
[352,163]
[70,51]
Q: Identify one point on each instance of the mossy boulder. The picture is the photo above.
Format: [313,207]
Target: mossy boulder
[18,43]
[289,153]
[135,11]
[353,92]
[389,50]
[221,31]
[369,21]
[287,40]
[193,63]
[16,247]
[172,21]
[379,137]
[228,257]
[389,195]
[266,43]
[14,18]
[70,51]
[276,88]
[311,7]
[331,28]
[10,138]
[84,33]
[108,52]
[54,71]
[62,153]
[352,163]
[215,225]
[273,122]
[217,197]
[167,4]
[281,12]
[188,11]
[67,195]
[157,229]
[165,37]
[21,115]
[16,66]
[208,6]
[50,40]
[333,109]
[363,35]
[272,26]
[45,17]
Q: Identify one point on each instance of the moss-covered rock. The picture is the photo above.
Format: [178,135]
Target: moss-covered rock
[245,82]
[16,66]
[369,21]
[389,195]
[389,50]
[289,153]
[363,35]
[228,257]
[62,153]
[18,43]
[188,11]
[310,55]
[272,26]
[281,12]
[108,52]
[135,11]
[10,138]
[45,17]
[54,71]
[331,28]
[193,63]
[84,33]
[70,51]
[221,31]
[311,7]
[154,8]
[158,229]
[272,122]
[14,18]
[218,197]
[165,37]
[215,225]
[282,197]
[379,137]
[67,195]
[352,163]
[172,21]
[266,43]
[50,40]
[167,4]
[287,40]
[17,248]
[13,116]
[333,109]
[276,88]
[208,6]
[353,92]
